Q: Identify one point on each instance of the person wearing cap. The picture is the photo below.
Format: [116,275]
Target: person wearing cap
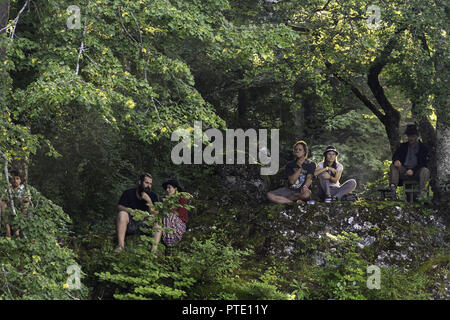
[174,222]
[299,173]
[329,172]
[410,162]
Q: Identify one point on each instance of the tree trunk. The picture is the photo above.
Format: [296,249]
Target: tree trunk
[427,133]
[441,103]
[391,118]
[443,161]
[4,13]
[242,107]
[4,17]
[19,164]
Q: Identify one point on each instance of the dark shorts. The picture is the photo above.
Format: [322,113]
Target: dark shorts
[134,227]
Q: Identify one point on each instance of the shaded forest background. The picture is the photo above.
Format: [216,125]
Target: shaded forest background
[86,108]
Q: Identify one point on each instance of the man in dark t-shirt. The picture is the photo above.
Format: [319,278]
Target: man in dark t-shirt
[140,198]
[299,174]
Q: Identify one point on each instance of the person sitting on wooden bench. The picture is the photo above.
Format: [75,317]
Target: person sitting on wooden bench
[410,162]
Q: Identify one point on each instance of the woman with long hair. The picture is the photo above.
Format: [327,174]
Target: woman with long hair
[299,174]
[329,172]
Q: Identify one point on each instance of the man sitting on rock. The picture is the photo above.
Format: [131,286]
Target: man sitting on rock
[299,173]
[141,198]
[409,162]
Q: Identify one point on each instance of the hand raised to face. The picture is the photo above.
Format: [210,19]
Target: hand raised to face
[146,197]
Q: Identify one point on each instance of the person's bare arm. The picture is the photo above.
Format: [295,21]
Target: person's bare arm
[319,170]
[308,181]
[292,178]
[149,201]
[336,177]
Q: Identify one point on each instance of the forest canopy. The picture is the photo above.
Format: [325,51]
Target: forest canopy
[91,92]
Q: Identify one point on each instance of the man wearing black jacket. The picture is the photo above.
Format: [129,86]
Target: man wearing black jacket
[410,161]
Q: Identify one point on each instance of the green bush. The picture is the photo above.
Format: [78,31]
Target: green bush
[200,270]
[35,265]
[137,274]
[345,276]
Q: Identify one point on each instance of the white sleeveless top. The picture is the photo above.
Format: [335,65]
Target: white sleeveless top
[339,167]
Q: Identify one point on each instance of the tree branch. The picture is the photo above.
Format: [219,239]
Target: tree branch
[141,43]
[374,72]
[77,70]
[125,29]
[11,202]
[372,107]
[16,20]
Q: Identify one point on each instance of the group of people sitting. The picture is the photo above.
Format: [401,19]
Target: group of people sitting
[301,171]
[142,198]
[173,223]
[409,162]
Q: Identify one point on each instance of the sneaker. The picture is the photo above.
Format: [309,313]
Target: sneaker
[328,199]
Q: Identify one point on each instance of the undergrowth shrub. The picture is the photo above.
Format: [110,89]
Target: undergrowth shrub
[35,264]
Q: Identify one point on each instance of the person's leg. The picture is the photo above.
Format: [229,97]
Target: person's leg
[156,237]
[123,218]
[277,199]
[394,175]
[345,188]
[304,195]
[424,177]
[7,226]
[3,206]
[281,195]
[325,186]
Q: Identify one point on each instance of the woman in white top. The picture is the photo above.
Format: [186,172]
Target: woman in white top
[329,172]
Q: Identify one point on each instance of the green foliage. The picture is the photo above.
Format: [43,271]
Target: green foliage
[34,265]
[149,67]
[344,277]
[137,274]
[196,273]
[344,273]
